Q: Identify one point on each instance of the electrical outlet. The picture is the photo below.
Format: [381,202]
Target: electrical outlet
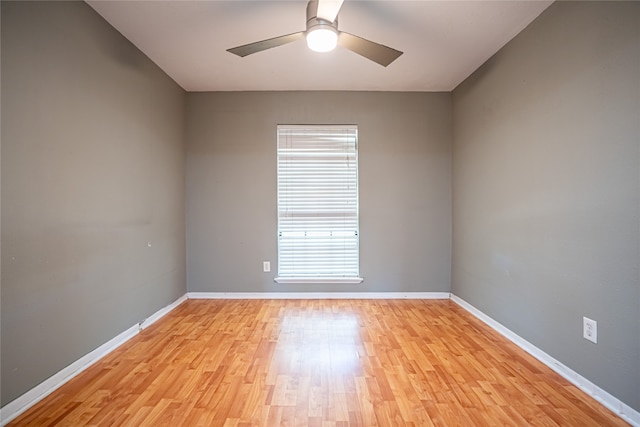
[590,330]
[266,266]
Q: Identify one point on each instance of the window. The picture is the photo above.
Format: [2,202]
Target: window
[318,204]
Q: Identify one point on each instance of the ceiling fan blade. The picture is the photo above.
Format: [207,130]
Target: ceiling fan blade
[328,9]
[379,53]
[250,48]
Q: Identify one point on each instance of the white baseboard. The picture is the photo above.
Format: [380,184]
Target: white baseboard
[16,407]
[318,295]
[161,313]
[621,409]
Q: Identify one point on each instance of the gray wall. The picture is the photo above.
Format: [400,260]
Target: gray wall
[404,176]
[547,188]
[92,171]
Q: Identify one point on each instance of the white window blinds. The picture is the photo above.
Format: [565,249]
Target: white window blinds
[317,202]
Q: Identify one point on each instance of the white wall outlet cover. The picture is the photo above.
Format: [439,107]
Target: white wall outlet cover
[266,266]
[590,329]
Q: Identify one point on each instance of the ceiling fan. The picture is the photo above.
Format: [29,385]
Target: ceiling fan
[322,36]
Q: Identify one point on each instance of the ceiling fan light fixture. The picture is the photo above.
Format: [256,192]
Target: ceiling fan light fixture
[322,38]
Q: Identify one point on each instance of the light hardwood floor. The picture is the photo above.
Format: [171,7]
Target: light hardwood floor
[318,363]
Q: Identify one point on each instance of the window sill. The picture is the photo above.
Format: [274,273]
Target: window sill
[327,280]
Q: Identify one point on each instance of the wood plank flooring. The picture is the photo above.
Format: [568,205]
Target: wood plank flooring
[318,363]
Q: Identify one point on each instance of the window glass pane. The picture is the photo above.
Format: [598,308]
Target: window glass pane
[317,201]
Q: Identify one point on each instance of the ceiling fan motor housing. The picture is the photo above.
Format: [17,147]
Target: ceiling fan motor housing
[314,22]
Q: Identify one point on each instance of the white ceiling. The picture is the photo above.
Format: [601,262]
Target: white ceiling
[443,41]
